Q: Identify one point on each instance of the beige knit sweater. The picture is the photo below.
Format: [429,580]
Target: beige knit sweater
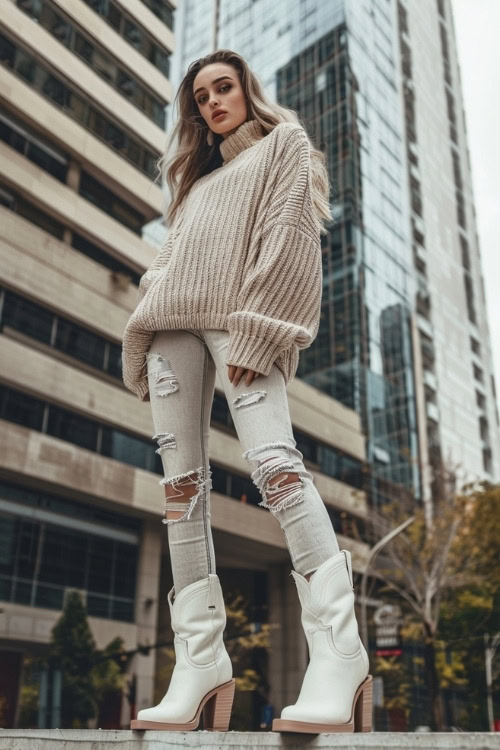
[243,255]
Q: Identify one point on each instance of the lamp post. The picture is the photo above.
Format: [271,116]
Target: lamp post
[489,652]
[373,554]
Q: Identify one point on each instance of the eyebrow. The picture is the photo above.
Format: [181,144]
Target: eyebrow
[221,78]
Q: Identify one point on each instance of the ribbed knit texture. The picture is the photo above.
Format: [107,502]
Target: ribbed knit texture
[243,255]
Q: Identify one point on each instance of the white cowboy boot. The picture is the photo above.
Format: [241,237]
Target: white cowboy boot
[203,674]
[336,694]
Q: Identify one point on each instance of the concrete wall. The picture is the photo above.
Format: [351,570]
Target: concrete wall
[76,739]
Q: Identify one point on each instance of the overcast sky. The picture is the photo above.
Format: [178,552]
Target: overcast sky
[477,29]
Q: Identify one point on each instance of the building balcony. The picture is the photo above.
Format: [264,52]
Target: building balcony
[432,412]
[420,252]
[430,380]
[424,325]
[415,172]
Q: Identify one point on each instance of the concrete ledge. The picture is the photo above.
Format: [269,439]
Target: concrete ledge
[95,739]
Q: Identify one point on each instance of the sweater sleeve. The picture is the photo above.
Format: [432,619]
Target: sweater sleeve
[279,303]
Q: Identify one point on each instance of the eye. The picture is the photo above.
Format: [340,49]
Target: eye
[224,85]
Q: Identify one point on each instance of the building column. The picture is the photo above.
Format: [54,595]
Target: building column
[146,612]
[288,657]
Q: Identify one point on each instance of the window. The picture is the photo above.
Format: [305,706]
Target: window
[11,200]
[465,253]
[85,246]
[18,136]
[475,346]
[478,373]
[469,294]
[484,429]
[98,194]
[20,408]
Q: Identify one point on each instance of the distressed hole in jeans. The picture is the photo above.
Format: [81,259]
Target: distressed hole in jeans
[245,399]
[280,482]
[182,493]
[165,378]
[165,440]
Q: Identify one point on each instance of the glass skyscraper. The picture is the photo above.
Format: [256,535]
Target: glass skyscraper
[403,337]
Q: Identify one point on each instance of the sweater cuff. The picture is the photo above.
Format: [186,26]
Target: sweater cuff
[139,387]
[255,340]
[251,353]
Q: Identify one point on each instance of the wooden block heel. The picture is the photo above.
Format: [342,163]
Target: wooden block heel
[216,707]
[217,710]
[363,713]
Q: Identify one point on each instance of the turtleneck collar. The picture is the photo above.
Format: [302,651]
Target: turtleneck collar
[247,134]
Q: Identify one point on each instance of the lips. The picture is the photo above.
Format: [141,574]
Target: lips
[219,114]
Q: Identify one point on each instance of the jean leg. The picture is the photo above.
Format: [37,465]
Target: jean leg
[181,378]
[261,416]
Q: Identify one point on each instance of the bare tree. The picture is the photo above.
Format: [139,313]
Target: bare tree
[423,563]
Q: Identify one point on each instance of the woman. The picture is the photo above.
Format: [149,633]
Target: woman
[237,289]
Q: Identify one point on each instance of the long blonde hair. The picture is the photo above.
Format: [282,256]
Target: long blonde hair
[194,158]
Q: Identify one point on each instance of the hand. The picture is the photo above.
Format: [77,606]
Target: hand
[237,374]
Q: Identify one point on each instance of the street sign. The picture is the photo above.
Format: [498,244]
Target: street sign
[388,621]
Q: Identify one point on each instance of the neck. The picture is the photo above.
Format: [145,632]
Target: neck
[246,135]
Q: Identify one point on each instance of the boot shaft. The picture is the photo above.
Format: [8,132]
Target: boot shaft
[328,602]
[198,616]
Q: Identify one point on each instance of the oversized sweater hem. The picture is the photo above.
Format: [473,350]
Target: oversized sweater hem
[285,359]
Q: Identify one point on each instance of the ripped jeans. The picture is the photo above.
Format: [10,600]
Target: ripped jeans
[181,367]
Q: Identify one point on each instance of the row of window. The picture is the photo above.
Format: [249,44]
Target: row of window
[62,334]
[19,205]
[162,10]
[62,506]
[55,162]
[76,106]
[40,559]
[126,26]
[94,191]
[28,411]
[50,17]
[33,413]
[423,299]
[461,219]
[40,151]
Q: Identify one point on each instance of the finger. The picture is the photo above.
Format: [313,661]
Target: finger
[231,369]
[238,375]
[251,375]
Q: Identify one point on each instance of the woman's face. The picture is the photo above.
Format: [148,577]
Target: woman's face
[217,86]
